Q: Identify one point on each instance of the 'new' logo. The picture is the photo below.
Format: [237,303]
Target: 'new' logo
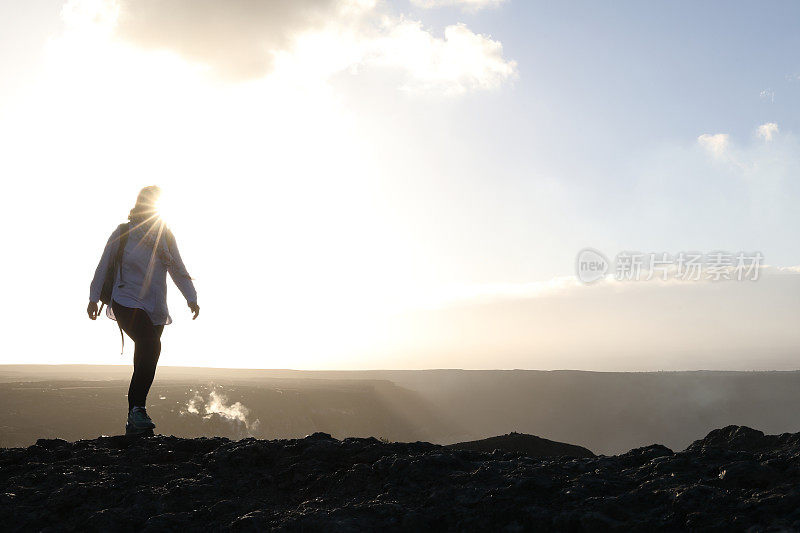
[590,265]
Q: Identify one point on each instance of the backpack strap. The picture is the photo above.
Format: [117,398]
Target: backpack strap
[123,240]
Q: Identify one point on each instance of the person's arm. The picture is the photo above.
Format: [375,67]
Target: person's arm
[178,273]
[96,286]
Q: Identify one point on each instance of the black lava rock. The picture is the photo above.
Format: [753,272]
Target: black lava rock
[736,478]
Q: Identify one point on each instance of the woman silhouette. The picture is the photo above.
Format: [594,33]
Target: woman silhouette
[139,294]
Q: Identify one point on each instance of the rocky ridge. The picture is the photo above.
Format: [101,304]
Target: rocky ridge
[735,478]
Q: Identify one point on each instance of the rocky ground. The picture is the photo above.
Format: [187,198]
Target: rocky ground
[736,478]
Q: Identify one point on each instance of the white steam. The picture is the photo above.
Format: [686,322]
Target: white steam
[217,404]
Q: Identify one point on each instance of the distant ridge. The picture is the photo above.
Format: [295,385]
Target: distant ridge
[607,412]
[530,445]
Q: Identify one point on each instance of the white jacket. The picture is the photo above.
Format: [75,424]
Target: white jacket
[133,287]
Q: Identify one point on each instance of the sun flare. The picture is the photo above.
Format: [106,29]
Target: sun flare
[165,208]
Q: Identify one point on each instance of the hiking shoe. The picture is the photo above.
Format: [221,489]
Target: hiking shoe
[138,421]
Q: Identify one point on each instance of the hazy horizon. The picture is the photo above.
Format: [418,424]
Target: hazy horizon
[126,367]
[607,412]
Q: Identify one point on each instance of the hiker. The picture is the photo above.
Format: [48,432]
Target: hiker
[131,279]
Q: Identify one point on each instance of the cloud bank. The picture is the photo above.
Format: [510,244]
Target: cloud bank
[241,40]
[619,325]
[238,38]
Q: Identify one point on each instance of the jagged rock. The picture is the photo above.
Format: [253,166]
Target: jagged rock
[747,474]
[735,478]
[735,438]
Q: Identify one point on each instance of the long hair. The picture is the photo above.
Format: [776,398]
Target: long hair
[145,207]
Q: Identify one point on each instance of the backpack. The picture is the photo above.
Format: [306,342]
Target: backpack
[111,271]
[111,274]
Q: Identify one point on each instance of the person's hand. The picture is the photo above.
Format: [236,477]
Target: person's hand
[195,309]
[91,310]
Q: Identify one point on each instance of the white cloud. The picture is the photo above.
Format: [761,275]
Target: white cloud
[767,131]
[756,162]
[249,39]
[237,38]
[716,144]
[470,5]
[459,62]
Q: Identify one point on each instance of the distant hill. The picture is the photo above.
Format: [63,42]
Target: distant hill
[530,445]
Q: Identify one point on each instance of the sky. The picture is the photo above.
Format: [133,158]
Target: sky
[373,184]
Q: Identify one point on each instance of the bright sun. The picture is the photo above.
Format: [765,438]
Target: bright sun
[166,208]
